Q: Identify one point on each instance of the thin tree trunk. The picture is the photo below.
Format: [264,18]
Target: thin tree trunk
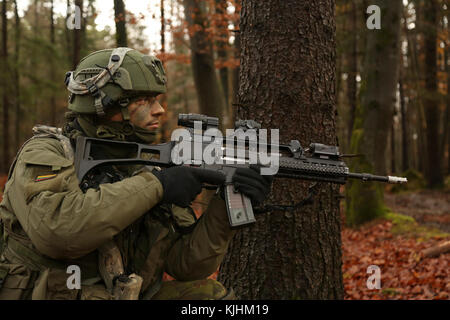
[77,38]
[222,44]
[5,98]
[352,70]
[287,81]
[405,124]
[35,112]
[52,68]
[68,37]
[18,115]
[235,74]
[446,137]
[393,149]
[432,114]
[365,199]
[210,98]
[120,19]
[237,54]
[448,108]
[163,98]
[413,48]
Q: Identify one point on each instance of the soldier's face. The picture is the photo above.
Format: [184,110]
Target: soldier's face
[146,113]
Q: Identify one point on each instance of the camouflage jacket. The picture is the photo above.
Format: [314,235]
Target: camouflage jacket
[50,223]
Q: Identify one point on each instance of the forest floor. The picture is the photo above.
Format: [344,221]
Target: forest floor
[419,220]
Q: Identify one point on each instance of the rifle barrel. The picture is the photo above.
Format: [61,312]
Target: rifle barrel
[371,177]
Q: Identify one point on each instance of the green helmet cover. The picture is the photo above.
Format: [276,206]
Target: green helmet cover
[138,75]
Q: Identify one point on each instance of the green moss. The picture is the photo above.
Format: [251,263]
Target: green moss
[406,225]
[397,218]
[390,291]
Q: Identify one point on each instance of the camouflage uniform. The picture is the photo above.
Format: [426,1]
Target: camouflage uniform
[50,223]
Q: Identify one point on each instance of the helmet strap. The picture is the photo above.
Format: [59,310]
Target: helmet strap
[125,114]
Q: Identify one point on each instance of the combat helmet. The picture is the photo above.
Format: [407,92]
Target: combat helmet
[113,77]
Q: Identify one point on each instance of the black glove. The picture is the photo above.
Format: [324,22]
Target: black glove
[182,184]
[251,183]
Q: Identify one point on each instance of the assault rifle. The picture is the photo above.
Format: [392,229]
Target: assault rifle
[319,162]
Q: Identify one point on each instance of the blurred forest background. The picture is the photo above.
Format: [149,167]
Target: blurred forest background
[198,41]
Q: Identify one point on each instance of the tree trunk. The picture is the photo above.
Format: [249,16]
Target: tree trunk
[222,45]
[68,37]
[378,95]
[52,68]
[120,19]
[77,38]
[235,74]
[405,124]
[18,115]
[446,138]
[165,132]
[352,70]
[287,80]
[431,103]
[210,97]
[393,150]
[5,99]
[447,65]
[414,48]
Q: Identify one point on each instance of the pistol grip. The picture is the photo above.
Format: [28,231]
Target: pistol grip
[239,207]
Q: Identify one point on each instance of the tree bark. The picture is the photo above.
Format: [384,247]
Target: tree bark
[432,114]
[378,95]
[287,80]
[120,19]
[210,97]
[5,98]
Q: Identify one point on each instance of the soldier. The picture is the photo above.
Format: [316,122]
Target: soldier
[122,226]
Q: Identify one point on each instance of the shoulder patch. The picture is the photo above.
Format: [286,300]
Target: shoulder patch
[44,177]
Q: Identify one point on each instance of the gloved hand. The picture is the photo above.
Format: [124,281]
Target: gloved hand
[251,183]
[182,184]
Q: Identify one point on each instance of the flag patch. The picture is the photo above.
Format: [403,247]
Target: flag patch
[46,177]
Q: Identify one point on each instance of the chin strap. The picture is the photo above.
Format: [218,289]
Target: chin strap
[94,84]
